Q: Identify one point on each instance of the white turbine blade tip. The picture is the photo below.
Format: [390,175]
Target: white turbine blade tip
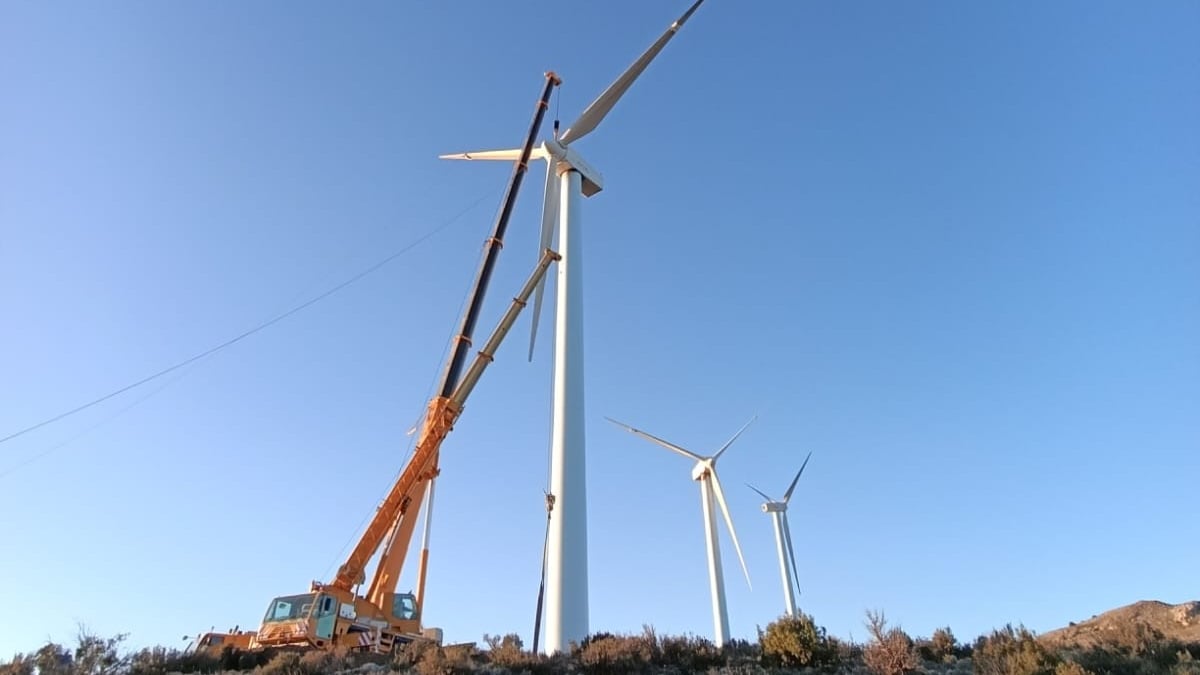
[760,492]
[735,437]
[495,155]
[788,495]
[658,441]
[687,15]
[599,108]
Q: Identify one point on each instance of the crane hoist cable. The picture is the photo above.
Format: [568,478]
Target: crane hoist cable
[537,615]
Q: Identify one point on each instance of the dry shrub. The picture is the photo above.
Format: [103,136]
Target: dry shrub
[689,653]
[942,647]
[1070,668]
[160,661]
[509,653]
[322,662]
[1010,651]
[406,656]
[284,663]
[891,651]
[434,659]
[19,665]
[606,654]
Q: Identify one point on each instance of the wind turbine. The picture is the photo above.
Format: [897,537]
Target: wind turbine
[568,179]
[783,539]
[705,472]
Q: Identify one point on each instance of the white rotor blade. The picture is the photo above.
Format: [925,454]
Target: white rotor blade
[729,521]
[592,116]
[764,495]
[549,219]
[654,439]
[498,155]
[787,538]
[735,436]
[788,495]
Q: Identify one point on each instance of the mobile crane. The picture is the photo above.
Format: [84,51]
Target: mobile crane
[335,615]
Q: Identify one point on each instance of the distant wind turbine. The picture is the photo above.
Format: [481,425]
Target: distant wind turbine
[705,472]
[783,539]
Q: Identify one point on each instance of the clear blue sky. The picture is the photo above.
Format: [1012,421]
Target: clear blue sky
[950,248]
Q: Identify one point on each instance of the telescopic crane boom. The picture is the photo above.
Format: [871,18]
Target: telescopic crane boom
[439,418]
[334,615]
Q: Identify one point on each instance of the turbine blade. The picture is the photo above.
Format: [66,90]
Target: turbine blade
[735,437]
[595,113]
[499,155]
[787,538]
[729,521]
[654,439]
[764,496]
[549,219]
[788,495]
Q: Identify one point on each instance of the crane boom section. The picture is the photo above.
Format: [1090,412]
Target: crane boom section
[462,341]
[441,413]
[439,420]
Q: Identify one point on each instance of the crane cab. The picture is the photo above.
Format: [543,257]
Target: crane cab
[322,619]
[304,619]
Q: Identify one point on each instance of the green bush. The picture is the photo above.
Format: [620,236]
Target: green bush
[796,642]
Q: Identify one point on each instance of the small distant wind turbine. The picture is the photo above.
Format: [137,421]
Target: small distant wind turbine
[705,471]
[568,179]
[783,539]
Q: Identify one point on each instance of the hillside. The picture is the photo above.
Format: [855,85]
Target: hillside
[1131,624]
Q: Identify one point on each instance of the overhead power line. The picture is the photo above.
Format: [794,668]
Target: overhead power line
[266,324]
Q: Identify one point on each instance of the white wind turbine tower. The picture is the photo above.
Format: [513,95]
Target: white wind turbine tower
[783,539]
[568,179]
[705,472]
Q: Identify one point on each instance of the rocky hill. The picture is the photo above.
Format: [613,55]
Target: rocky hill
[1130,625]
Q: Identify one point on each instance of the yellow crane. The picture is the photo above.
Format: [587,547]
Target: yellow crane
[335,615]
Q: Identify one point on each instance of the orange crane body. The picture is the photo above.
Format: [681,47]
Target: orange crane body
[334,615]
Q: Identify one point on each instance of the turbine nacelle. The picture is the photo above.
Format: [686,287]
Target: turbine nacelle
[774,507]
[703,469]
[568,159]
[564,157]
